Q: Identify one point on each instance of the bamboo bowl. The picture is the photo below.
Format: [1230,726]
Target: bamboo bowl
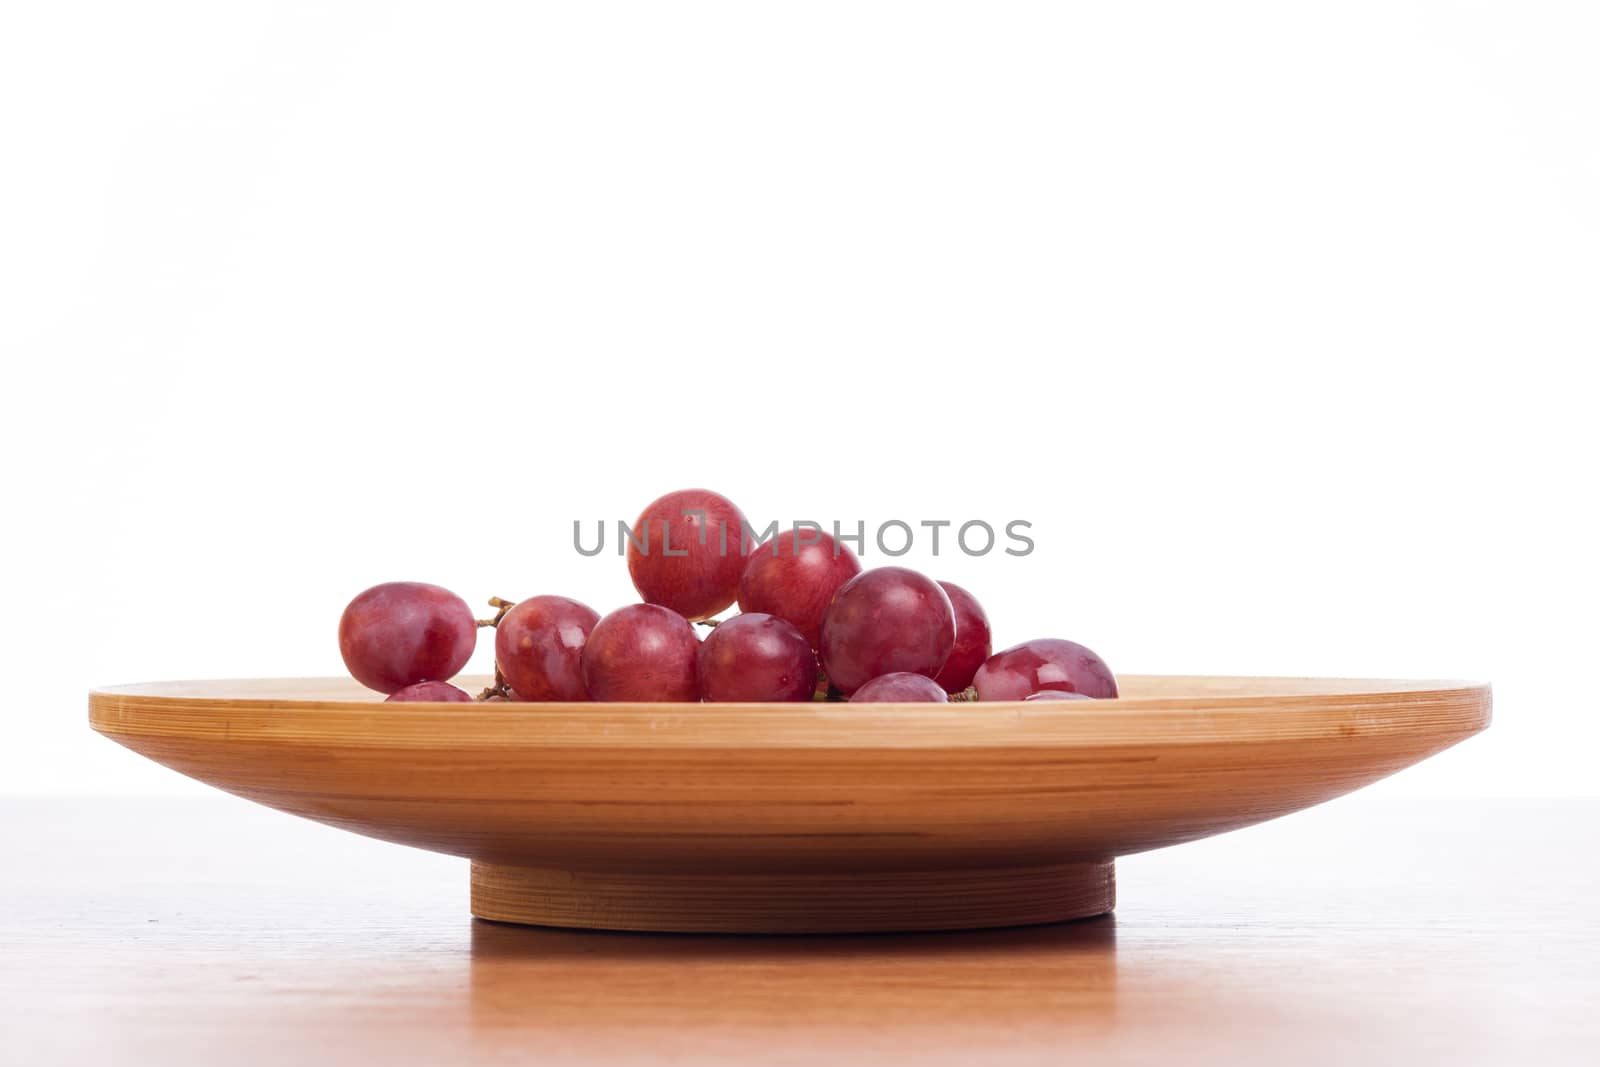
[794,817]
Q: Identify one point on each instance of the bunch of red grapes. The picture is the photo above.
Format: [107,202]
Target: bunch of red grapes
[811,625]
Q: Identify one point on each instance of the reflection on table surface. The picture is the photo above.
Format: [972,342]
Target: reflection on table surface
[171,930]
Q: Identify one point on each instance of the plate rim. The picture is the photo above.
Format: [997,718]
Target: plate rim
[1322,709]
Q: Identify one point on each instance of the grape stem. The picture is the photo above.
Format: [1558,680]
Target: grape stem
[826,690]
[499,690]
[501,607]
[707,623]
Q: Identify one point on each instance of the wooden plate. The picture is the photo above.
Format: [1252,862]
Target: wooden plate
[794,817]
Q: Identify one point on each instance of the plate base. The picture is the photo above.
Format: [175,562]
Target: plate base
[793,903]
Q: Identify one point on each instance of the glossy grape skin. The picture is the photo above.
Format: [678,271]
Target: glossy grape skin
[705,579]
[972,645]
[756,657]
[901,688]
[1055,694]
[1046,663]
[538,647]
[642,652]
[885,621]
[796,584]
[399,633]
[442,692]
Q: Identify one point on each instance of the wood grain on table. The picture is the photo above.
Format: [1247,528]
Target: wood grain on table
[1369,930]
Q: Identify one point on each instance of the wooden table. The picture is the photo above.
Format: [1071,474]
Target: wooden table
[212,931]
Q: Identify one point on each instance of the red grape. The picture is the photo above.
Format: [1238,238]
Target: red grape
[442,692]
[642,652]
[972,640]
[1047,663]
[900,688]
[399,633]
[757,657]
[694,551]
[538,646]
[884,621]
[795,583]
[1055,694]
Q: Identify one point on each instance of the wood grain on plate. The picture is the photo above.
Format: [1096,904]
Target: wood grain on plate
[794,817]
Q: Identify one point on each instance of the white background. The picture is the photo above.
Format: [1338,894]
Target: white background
[1276,321]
